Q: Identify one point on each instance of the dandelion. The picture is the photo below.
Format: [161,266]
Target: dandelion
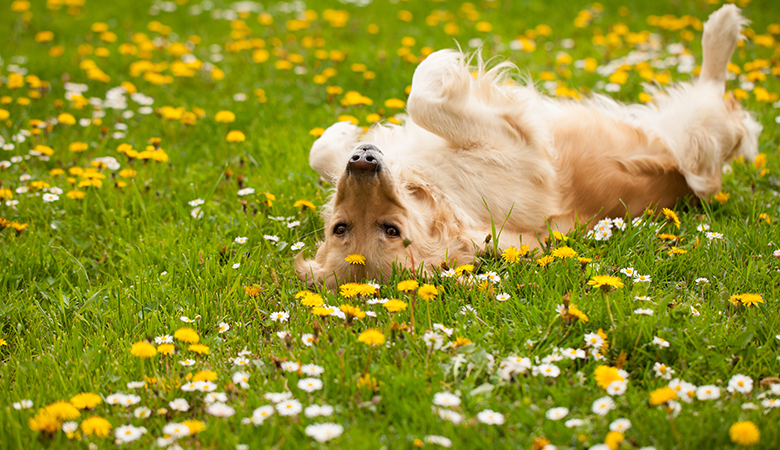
[564,252]
[86,400]
[511,254]
[662,395]
[225,117]
[96,425]
[605,282]
[235,136]
[606,375]
[372,337]
[394,305]
[63,410]
[143,350]
[746,299]
[744,433]
[356,259]
[187,335]
[671,215]
[428,292]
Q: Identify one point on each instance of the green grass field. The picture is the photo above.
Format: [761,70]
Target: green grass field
[126,212]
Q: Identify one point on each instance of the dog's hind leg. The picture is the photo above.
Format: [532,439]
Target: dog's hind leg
[329,154]
[703,129]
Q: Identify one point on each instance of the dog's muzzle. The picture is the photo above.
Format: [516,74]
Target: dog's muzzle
[365,160]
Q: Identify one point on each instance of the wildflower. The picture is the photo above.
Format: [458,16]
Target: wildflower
[594,340]
[308,339]
[63,410]
[642,279]
[628,271]
[225,117]
[356,259]
[740,383]
[304,204]
[502,297]
[176,430]
[662,395]
[70,427]
[223,327]
[220,409]
[548,370]
[187,362]
[663,371]
[129,433]
[195,426]
[605,375]
[86,400]
[671,215]
[290,366]
[490,417]
[143,350]
[394,305]
[744,433]
[312,411]
[96,425]
[428,292]
[660,342]
[613,439]
[240,240]
[605,282]
[142,412]
[446,399]
[312,370]
[260,414]
[721,197]
[620,425]
[407,285]
[556,413]
[199,349]
[44,421]
[280,316]
[289,407]
[573,423]
[746,299]
[22,404]
[645,312]
[458,271]
[277,397]
[235,136]
[372,336]
[187,335]
[511,254]
[310,384]
[324,432]
[564,252]
[179,404]
[165,349]
[603,405]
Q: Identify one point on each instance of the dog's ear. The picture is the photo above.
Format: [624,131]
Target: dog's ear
[309,270]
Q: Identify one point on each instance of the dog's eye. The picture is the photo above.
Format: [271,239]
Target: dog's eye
[340,229]
[392,231]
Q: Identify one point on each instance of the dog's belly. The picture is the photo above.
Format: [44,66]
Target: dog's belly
[608,168]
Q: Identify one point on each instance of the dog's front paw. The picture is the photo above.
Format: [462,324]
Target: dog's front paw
[442,75]
[342,131]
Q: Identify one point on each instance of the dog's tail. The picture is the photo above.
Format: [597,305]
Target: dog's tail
[721,34]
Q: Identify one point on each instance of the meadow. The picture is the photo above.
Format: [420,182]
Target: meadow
[155,188]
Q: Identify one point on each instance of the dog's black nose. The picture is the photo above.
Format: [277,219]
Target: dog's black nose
[365,159]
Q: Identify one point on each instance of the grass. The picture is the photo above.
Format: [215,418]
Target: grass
[88,278]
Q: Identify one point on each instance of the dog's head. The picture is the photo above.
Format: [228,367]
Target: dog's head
[383,216]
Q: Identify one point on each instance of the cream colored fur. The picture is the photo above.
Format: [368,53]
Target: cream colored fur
[472,142]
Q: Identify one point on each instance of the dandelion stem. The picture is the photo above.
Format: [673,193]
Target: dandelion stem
[609,310]
[368,361]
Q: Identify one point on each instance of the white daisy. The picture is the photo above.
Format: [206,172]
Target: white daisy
[603,405]
[557,413]
[490,417]
[324,432]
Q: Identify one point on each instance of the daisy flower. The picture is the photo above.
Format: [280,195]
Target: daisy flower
[740,383]
[620,425]
[502,297]
[128,433]
[290,407]
[644,311]
[179,404]
[450,415]
[438,440]
[297,246]
[324,432]
[490,417]
[603,405]
[312,370]
[708,392]
[573,423]
[663,371]
[290,366]
[240,240]
[280,316]
[310,384]
[187,362]
[220,409]
[317,410]
[556,413]
[142,412]
[642,279]
[223,327]
[446,399]
[628,271]
[594,340]
[262,413]
[276,397]
[660,342]
[307,339]
[241,379]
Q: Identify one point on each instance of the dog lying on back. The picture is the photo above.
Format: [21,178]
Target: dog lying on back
[476,149]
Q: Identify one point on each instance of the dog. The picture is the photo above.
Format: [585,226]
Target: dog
[478,150]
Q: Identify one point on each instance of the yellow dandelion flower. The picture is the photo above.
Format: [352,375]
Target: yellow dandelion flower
[96,425]
[199,349]
[304,204]
[721,197]
[195,426]
[460,342]
[63,410]
[317,131]
[574,311]
[78,147]
[254,290]
[564,252]
[312,300]
[45,421]
[545,260]
[604,375]
[394,103]
[352,311]
[671,215]
[394,305]
[86,400]
[661,396]
[187,335]
[746,299]
[407,285]
[321,311]
[235,136]
[166,349]
[613,439]
[511,254]
[143,350]
[744,433]
[427,292]
[205,375]
[225,117]
[356,259]
[605,281]
[372,336]
[464,268]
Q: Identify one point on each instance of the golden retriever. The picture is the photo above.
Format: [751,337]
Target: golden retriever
[477,150]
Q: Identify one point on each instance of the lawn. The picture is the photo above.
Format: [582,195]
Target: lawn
[155,188]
